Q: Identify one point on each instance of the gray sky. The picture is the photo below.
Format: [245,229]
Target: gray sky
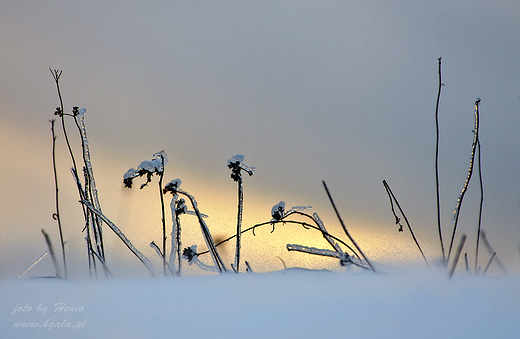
[342,91]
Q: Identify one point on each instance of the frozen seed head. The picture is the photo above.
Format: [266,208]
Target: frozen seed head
[146,167]
[278,210]
[181,207]
[189,253]
[172,187]
[236,164]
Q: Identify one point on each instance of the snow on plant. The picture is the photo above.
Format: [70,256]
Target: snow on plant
[173,188]
[177,207]
[149,168]
[236,164]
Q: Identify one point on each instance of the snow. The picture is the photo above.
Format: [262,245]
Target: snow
[410,302]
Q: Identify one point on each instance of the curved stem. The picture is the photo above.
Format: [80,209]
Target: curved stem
[304,224]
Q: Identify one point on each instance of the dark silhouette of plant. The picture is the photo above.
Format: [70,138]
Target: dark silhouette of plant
[437,164]
[236,164]
[56,215]
[481,203]
[391,196]
[88,191]
[345,228]
[149,168]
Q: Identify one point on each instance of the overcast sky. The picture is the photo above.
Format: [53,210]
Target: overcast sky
[341,91]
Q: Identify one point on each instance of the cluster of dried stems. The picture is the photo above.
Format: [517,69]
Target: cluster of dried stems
[350,255]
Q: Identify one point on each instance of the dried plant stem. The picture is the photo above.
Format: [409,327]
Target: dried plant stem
[345,228]
[481,203]
[32,265]
[51,252]
[470,172]
[304,224]
[121,236]
[492,252]
[457,255]
[163,218]
[160,254]
[206,234]
[437,164]
[392,196]
[56,216]
[239,223]
[90,192]
[489,263]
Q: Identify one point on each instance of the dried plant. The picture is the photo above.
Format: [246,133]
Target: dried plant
[236,164]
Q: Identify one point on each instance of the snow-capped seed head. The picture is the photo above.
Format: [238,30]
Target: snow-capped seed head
[278,210]
[236,163]
[236,160]
[173,186]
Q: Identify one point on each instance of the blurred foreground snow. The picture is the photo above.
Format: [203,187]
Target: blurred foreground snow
[294,303]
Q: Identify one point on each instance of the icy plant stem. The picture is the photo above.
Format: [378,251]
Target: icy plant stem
[206,234]
[345,228]
[437,164]
[121,236]
[489,263]
[175,253]
[392,196]
[457,255]
[239,223]
[158,251]
[56,215]
[90,185]
[51,252]
[470,172]
[481,202]
[32,265]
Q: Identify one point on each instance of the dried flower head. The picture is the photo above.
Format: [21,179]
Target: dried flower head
[172,186]
[278,210]
[156,165]
[236,164]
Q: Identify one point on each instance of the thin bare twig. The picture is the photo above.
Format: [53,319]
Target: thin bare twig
[457,255]
[345,228]
[437,164]
[392,196]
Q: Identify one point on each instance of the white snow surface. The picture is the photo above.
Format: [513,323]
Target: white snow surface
[293,303]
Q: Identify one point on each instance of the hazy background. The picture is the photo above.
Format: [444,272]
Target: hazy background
[341,91]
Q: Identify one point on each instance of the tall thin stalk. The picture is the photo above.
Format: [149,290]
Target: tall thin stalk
[56,74]
[437,163]
[236,164]
[481,203]
[345,228]
[239,223]
[56,216]
[163,218]
[470,172]
[392,196]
